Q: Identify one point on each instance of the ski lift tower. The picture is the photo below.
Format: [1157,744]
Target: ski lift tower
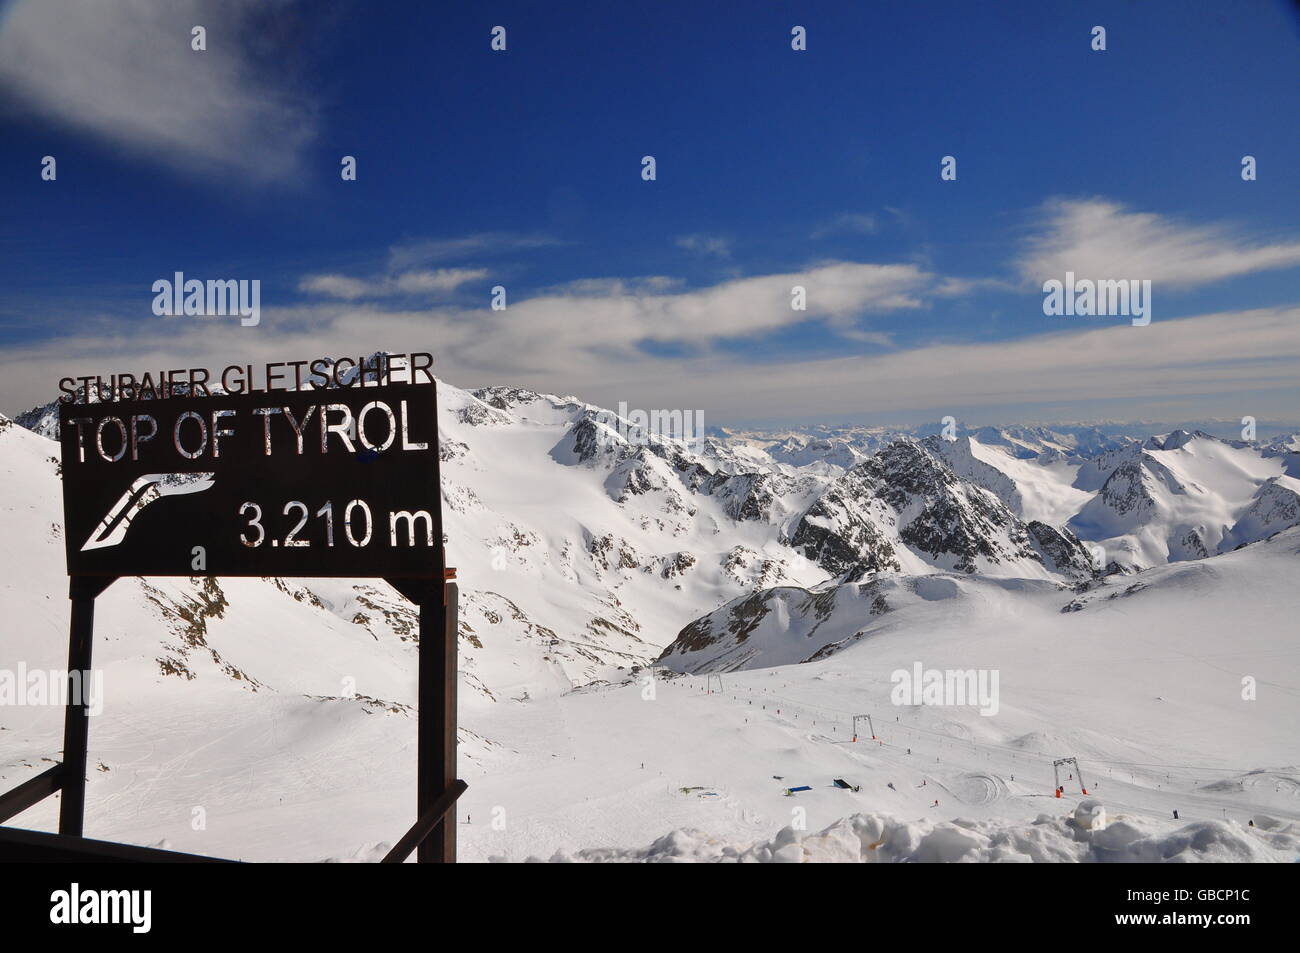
[1056,770]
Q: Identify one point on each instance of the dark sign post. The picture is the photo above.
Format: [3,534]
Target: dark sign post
[331,482]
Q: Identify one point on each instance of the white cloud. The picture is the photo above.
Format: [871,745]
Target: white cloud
[409,254]
[335,286]
[1204,364]
[612,287]
[443,279]
[848,223]
[705,245]
[560,335]
[1099,239]
[410,282]
[556,330]
[124,72]
[1222,353]
[614,317]
[961,287]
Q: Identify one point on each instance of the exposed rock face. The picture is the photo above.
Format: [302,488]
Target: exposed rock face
[749,496]
[726,631]
[1126,491]
[1060,549]
[841,530]
[908,497]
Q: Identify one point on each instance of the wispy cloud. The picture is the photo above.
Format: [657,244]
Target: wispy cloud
[849,223]
[705,245]
[415,252]
[961,287]
[348,288]
[557,335]
[125,73]
[1215,365]
[613,287]
[1097,239]
[562,323]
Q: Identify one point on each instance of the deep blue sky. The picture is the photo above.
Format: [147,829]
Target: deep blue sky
[777,158]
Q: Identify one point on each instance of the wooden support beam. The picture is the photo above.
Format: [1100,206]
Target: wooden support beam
[30,792]
[425,825]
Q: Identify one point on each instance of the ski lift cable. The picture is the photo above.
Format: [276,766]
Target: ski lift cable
[990,745]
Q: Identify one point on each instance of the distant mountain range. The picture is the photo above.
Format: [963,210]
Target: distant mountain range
[594,551]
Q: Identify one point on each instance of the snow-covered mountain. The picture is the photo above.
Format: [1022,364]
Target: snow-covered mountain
[1177,496]
[1274,507]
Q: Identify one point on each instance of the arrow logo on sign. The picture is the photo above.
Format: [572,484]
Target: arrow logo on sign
[152,486]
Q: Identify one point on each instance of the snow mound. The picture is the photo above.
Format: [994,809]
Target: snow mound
[882,838]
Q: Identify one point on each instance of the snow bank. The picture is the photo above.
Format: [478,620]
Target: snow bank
[881,838]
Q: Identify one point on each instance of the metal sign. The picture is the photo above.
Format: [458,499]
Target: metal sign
[331,482]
